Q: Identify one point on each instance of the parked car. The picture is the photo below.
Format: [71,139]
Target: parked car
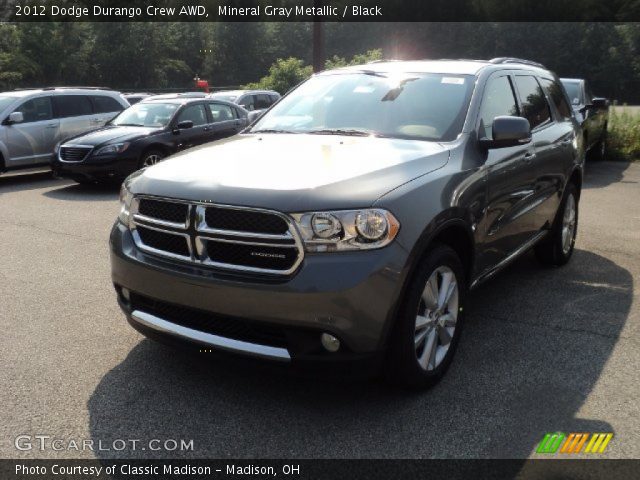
[350,221]
[32,121]
[134,98]
[254,101]
[144,134]
[592,113]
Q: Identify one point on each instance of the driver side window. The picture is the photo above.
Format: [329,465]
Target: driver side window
[36,110]
[498,100]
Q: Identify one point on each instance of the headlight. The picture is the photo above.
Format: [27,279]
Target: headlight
[112,149]
[341,230]
[125,204]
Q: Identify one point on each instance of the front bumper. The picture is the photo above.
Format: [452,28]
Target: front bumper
[352,295]
[92,168]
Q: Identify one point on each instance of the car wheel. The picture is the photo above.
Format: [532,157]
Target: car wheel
[558,247]
[150,158]
[430,321]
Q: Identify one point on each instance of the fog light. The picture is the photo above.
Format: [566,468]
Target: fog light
[126,294]
[329,342]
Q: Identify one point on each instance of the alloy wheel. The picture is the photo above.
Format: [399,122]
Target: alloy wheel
[151,159]
[436,318]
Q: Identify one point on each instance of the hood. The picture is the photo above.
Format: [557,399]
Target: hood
[292,172]
[111,134]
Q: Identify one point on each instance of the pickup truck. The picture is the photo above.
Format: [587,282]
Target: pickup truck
[592,113]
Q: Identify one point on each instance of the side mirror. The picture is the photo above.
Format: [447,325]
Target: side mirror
[508,132]
[15,117]
[254,115]
[600,102]
[183,125]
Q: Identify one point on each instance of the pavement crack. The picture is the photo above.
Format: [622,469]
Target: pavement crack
[48,230]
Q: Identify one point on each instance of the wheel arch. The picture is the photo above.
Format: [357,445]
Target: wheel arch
[453,231]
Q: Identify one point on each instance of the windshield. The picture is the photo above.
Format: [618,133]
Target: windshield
[573,90]
[222,96]
[5,102]
[147,115]
[417,106]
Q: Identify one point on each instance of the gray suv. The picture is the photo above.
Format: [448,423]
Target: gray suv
[350,221]
[33,121]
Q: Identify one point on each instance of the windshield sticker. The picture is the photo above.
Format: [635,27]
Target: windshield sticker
[452,80]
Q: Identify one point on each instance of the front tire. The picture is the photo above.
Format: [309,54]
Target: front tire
[429,323]
[599,150]
[558,247]
[150,158]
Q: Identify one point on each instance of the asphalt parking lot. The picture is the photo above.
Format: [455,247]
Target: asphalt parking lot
[544,350]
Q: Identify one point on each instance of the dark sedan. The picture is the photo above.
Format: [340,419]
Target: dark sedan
[144,134]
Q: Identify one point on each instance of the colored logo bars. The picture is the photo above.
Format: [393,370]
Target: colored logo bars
[574,443]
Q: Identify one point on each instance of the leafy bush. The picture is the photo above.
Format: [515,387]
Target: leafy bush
[287,73]
[283,75]
[623,135]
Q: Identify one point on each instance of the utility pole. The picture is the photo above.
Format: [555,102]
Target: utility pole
[318,39]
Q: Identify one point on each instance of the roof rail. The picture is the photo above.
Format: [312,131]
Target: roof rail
[499,60]
[61,88]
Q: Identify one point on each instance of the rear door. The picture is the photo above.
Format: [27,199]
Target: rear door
[199,133]
[554,168]
[32,141]
[511,177]
[75,112]
[224,120]
[546,138]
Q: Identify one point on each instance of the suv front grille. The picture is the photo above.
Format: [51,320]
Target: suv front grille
[226,237]
[229,327]
[73,154]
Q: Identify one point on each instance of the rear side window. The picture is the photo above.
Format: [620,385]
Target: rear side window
[72,105]
[36,110]
[262,101]
[221,113]
[557,97]
[534,104]
[248,102]
[104,104]
[498,101]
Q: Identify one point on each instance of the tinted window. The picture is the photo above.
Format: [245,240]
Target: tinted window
[195,113]
[274,98]
[557,97]
[573,90]
[36,109]
[262,101]
[498,100]
[221,113]
[72,105]
[248,102]
[534,104]
[103,104]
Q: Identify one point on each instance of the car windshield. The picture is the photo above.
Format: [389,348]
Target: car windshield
[146,115]
[573,90]
[222,96]
[397,105]
[5,102]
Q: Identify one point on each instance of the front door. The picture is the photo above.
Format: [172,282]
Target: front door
[196,135]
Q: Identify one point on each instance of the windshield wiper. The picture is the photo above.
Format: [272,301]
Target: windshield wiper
[128,125]
[272,130]
[343,131]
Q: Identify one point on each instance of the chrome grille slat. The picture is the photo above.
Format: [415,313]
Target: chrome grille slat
[73,153]
[202,238]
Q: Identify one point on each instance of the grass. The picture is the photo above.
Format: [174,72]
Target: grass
[623,141]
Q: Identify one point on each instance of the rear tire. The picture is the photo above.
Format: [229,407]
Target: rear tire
[429,323]
[558,247]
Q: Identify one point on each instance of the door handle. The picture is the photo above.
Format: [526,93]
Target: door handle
[529,156]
